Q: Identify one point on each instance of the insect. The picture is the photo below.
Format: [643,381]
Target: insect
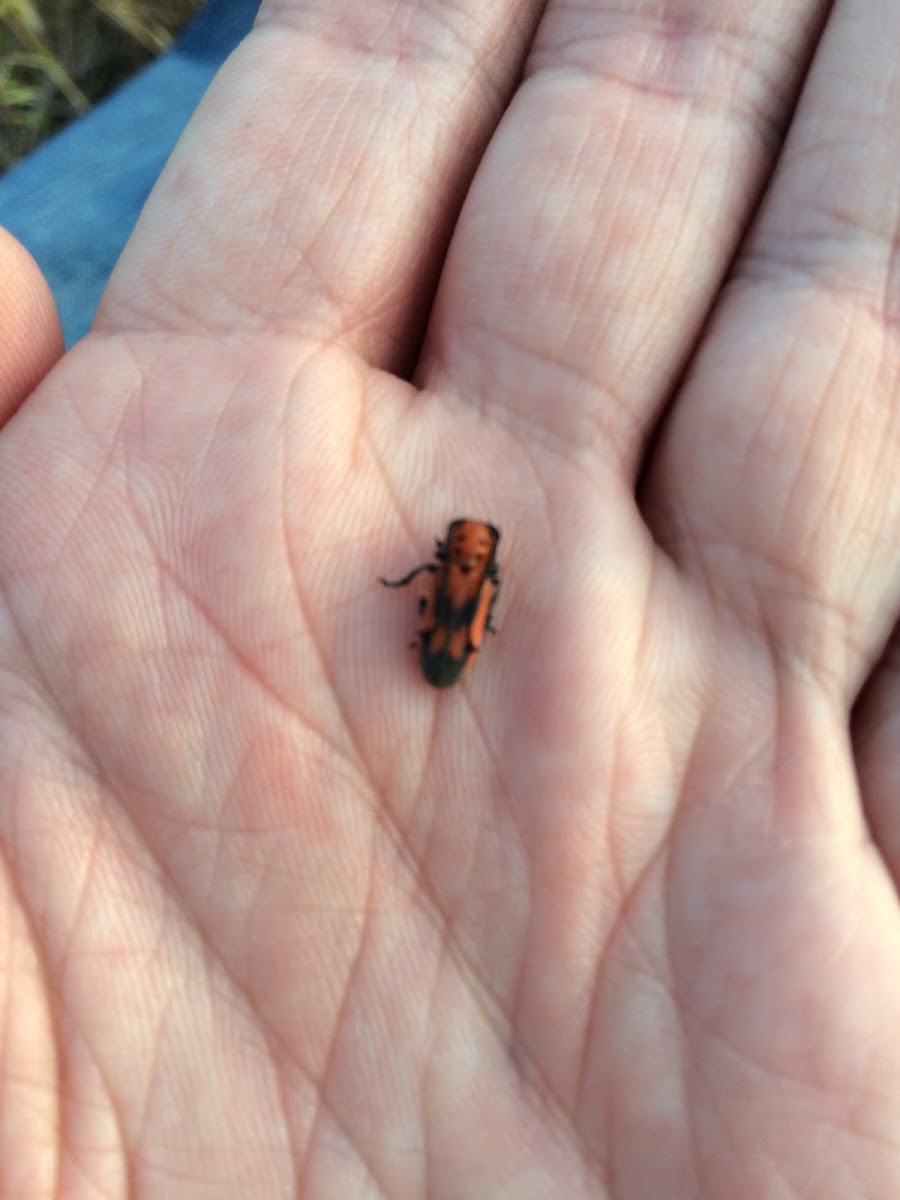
[457,609]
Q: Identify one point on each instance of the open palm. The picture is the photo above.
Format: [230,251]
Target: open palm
[616,916]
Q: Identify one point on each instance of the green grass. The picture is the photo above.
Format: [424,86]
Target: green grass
[58,57]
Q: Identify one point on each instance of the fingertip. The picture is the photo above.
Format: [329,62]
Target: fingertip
[32,340]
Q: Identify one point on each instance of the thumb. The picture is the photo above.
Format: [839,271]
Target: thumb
[31,340]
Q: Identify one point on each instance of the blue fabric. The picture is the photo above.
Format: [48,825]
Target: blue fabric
[74,202]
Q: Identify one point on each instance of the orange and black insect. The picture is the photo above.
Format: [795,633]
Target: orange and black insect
[456,611]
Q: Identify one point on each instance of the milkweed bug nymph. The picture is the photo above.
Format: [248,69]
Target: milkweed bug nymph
[456,610]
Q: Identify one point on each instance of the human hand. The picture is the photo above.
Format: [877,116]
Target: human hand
[616,917]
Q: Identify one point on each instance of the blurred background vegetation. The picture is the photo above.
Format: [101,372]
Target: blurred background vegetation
[58,57]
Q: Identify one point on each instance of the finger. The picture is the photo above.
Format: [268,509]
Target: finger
[315,188]
[32,337]
[779,468]
[607,210]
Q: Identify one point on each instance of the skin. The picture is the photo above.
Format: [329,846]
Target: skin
[617,917]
